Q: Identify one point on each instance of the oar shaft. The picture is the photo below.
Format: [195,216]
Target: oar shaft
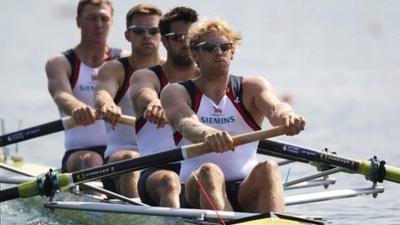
[391,173]
[48,128]
[125,166]
[201,148]
[31,132]
[295,152]
[9,194]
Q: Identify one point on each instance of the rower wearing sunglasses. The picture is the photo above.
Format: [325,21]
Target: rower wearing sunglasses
[212,108]
[112,94]
[160,186]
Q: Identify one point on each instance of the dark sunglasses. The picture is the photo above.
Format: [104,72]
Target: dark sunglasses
[140,30]
[178,37]
[209,47]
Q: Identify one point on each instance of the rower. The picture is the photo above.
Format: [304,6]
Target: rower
[160,186]
[112,93]
[212,107]
[72,77]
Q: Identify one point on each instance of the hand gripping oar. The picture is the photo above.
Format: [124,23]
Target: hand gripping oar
[48,128]
[47,184]
[373,170]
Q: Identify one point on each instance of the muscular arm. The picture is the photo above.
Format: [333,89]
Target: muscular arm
[176,102]
[145,87]
[58,71]
[261,101]
[110,77]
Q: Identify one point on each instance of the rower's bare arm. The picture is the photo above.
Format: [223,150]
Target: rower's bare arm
[110,78]
[177,105]
[58,71]
[263,98]
[145,87]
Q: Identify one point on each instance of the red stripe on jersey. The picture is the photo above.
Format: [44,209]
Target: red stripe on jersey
[241,109]
[139,124]
[75,72]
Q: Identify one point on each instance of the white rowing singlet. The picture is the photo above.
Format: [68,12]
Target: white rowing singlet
[123,137]
[151,140]
[229,115]
[83,81]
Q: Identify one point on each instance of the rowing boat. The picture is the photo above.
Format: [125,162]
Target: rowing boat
[28,170]
[86,209]
[375,171]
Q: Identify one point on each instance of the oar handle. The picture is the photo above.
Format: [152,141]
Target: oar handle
[127,120]
[201,148]
[69,122]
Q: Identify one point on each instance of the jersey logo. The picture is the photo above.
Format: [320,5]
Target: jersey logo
[93,77]
[237,100]
[217,110]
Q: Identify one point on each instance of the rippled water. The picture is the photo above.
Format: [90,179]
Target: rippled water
[338,60]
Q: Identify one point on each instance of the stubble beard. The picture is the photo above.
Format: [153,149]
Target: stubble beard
[181,60]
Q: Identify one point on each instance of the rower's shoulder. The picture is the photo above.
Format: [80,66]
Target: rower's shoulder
[256,81]
[143,74]
[58,58]
[114,64]
[112,68]
[174,89]
[57,63]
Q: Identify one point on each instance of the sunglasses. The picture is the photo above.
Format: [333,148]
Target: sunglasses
[209,47]
[139,30]
[178,37]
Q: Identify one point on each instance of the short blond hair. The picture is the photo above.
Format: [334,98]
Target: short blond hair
[100,3]
[142,9]
[205,27]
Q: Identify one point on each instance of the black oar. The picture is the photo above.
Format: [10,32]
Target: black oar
[374,170]
[47,184]
[48,128]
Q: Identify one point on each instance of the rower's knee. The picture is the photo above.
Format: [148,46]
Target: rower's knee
[123,155]
[210,174]
[209,170]
[91,159]
[266,168]
[170,182]
[130,155]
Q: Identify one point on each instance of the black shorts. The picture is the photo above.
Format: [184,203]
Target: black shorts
[232,191]
[146,173]
[108,182]
[98,149]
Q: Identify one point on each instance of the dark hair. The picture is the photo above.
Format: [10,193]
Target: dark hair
[83,3]
[141,10]
[181,13]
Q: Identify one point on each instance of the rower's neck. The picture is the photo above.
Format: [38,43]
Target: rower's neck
[176,73]
[92,54]
[213,87]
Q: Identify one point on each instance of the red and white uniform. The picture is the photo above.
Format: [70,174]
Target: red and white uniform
[83,81]
[229,115]
[151,139]
[123,137]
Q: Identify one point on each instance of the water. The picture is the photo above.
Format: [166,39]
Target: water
[338,59]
